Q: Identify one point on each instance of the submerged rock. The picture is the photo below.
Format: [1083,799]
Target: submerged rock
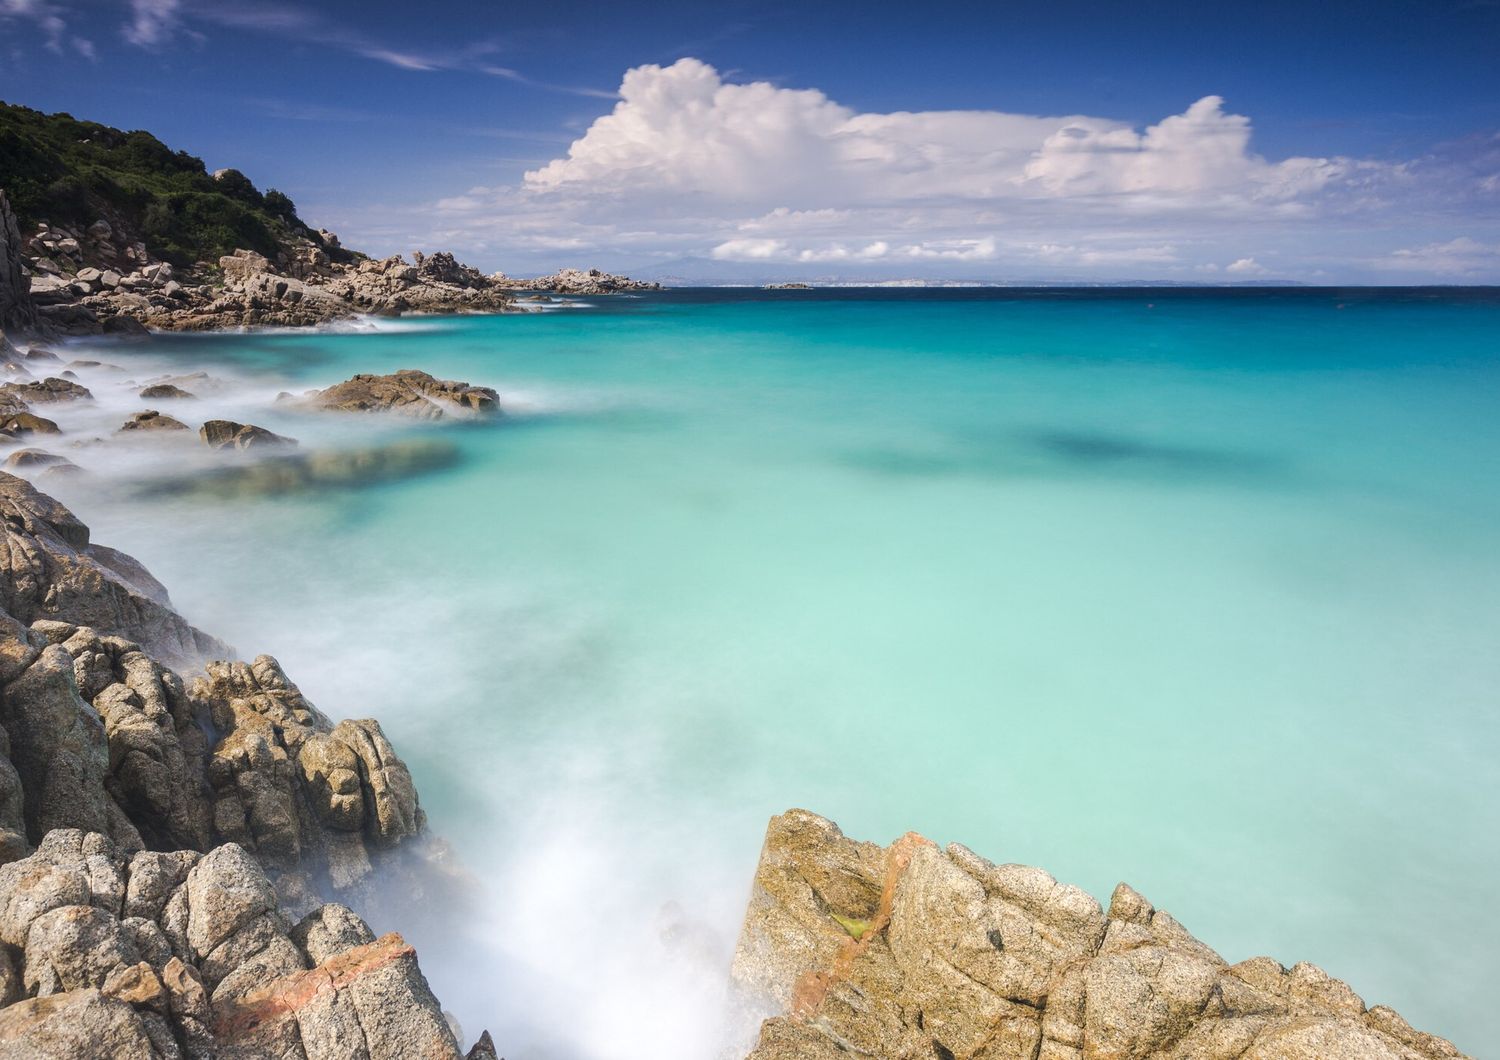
[301,473]
[408,393]
[913,950]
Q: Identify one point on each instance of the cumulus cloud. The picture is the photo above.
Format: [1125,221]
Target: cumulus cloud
[689,163]
[1245,267]
[683,129]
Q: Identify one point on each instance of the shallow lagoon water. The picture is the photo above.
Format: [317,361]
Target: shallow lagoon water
[1194,589]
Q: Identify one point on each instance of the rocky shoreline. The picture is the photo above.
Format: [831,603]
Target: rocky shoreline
[187,843]
[100,281]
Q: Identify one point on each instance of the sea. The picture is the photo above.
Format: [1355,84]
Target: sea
[1197,589]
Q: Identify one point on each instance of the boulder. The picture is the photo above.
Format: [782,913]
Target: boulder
[24,423]
[23,459]
[151,420]
[45,391]
[243,264]
[408,393]
[164,390]
[227,434]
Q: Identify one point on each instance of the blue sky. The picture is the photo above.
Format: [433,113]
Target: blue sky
[1321,143]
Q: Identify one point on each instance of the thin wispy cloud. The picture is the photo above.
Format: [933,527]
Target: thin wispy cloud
[155,23]
[51,21]
[152,22]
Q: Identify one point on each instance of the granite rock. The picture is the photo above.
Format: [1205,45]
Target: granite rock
[918,951]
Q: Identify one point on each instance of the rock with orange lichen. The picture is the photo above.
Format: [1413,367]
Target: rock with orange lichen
[915,951]
[159,956]
[367,1001]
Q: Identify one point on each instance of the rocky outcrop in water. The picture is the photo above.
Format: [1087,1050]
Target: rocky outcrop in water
[167,846]
[916,951]
[407,393]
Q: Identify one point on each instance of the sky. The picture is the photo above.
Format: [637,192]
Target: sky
[1335,142]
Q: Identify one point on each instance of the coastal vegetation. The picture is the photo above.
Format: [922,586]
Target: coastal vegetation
[66,171]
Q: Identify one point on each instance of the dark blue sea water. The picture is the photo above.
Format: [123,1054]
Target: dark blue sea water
[1198,589]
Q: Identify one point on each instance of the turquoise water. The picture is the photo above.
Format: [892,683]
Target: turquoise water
[1198,590]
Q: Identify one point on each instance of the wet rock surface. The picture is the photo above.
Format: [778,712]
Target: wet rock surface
[917,951]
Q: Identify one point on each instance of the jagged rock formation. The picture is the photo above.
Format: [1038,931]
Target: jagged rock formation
[914,951]
[158,836]
[407,393]
[181,954]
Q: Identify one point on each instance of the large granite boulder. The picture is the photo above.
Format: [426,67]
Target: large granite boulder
[916,951]
[408,393]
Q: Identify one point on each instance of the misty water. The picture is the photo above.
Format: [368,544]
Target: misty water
[1198,590]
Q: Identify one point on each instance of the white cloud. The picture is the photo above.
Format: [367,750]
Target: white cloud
[1456,257]
[687,163]
[1068,254]
[682,129]
[49,19]
[152,22]
[780,250]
